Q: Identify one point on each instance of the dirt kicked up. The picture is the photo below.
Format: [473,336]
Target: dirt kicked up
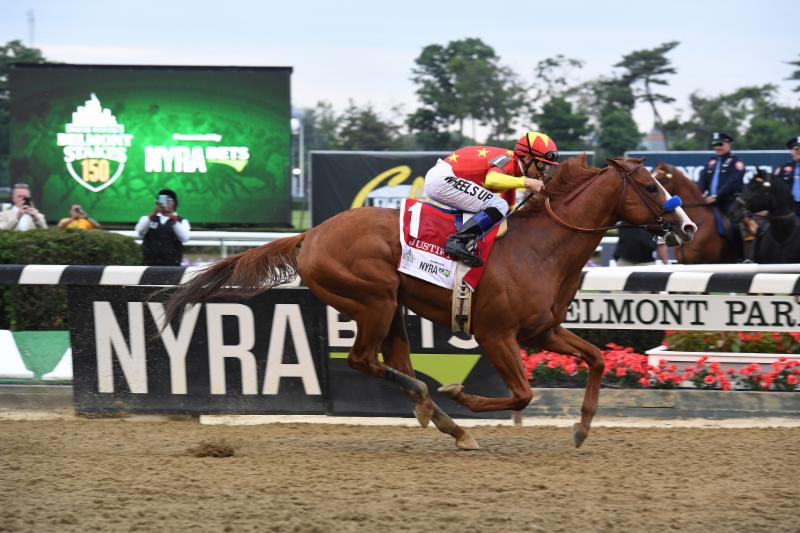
[118,475]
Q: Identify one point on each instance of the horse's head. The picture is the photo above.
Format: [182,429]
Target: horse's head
[677,183]
[645,200]
[665,175]
[760,194]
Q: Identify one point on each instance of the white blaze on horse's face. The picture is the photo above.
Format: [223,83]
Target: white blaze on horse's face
[688,228]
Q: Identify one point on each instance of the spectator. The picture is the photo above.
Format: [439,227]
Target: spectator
[163,232]
[636,247]
[78,219]
[23,215]
[790,171]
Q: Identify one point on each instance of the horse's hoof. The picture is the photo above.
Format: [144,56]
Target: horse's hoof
[452,390]
[579,435]
[467,443]
[424,413]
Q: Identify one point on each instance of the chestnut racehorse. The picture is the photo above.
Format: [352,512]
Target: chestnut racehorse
[350,262]
[707,246]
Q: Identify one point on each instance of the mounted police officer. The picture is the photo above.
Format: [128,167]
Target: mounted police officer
[790,171]
[722,180]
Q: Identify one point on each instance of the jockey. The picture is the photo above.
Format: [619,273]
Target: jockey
[469,177]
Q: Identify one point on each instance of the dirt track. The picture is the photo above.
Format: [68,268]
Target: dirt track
[115,475]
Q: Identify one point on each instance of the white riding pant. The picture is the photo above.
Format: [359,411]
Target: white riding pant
[443,186]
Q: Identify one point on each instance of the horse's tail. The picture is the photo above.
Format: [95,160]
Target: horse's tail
[251,272]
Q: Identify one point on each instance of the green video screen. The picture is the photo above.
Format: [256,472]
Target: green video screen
[110,137]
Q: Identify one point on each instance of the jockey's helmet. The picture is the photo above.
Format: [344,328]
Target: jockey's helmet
[539,146]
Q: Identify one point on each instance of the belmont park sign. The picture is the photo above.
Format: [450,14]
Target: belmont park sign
[684,311]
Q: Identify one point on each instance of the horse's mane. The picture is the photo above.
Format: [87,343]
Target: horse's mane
[568,176]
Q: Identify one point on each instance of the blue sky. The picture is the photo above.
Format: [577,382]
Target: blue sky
[365,50]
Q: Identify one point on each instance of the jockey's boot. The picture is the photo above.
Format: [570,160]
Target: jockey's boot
[461,244]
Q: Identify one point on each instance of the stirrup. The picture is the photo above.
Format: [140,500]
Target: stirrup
[471,260]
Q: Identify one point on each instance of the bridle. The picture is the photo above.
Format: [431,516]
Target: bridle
[661,226]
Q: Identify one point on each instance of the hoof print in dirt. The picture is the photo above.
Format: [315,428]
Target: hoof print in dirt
[211,449]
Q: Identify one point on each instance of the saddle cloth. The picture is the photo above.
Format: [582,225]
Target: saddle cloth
[424,228]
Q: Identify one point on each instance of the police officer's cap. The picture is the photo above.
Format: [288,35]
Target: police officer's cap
[719,137]
[794,141]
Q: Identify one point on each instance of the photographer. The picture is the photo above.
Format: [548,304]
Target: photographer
[163,232]
[23,216]
[78,219]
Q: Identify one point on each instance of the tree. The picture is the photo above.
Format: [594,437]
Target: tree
[796,74]
[321,127]
[751,114]
[566,126]
[463,81]
[363,129]
[551,77]
[617,132]
[11,52]
[645,69]
[356,128]
[609,103]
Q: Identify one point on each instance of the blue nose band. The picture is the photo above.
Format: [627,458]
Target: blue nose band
[672,204]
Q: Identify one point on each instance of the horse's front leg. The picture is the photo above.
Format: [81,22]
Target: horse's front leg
[503,354]
[563,341]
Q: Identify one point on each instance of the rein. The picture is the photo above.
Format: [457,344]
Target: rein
[659,227]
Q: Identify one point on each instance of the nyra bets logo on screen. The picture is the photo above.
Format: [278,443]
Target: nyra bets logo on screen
[95,146]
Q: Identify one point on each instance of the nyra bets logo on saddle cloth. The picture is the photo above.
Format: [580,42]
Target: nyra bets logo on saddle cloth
[95,146]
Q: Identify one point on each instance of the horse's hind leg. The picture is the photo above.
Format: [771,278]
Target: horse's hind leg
[503,354]
[396,354]
[565,342]
[375,323]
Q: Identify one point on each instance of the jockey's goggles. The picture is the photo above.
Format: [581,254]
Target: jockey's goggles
[551,157]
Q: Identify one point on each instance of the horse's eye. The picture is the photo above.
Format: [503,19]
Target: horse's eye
[652,189]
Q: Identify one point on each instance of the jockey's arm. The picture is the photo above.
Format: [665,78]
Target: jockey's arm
[497,181]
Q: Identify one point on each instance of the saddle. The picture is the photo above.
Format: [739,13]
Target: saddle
[424,228]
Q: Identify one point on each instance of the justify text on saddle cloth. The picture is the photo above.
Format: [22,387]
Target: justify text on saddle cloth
[442,185]
[423,231]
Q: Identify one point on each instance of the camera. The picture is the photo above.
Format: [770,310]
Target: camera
[27,201]
[162,200]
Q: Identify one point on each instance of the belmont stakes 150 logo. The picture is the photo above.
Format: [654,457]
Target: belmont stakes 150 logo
[95,146]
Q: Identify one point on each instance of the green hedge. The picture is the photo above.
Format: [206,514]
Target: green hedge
[45,307]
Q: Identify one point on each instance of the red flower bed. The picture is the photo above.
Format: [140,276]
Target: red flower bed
[625,368]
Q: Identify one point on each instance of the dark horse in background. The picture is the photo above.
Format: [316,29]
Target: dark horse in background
[350,262]
[707,246]
[778,237]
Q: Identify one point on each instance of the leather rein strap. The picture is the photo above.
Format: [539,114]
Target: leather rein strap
[627,177]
